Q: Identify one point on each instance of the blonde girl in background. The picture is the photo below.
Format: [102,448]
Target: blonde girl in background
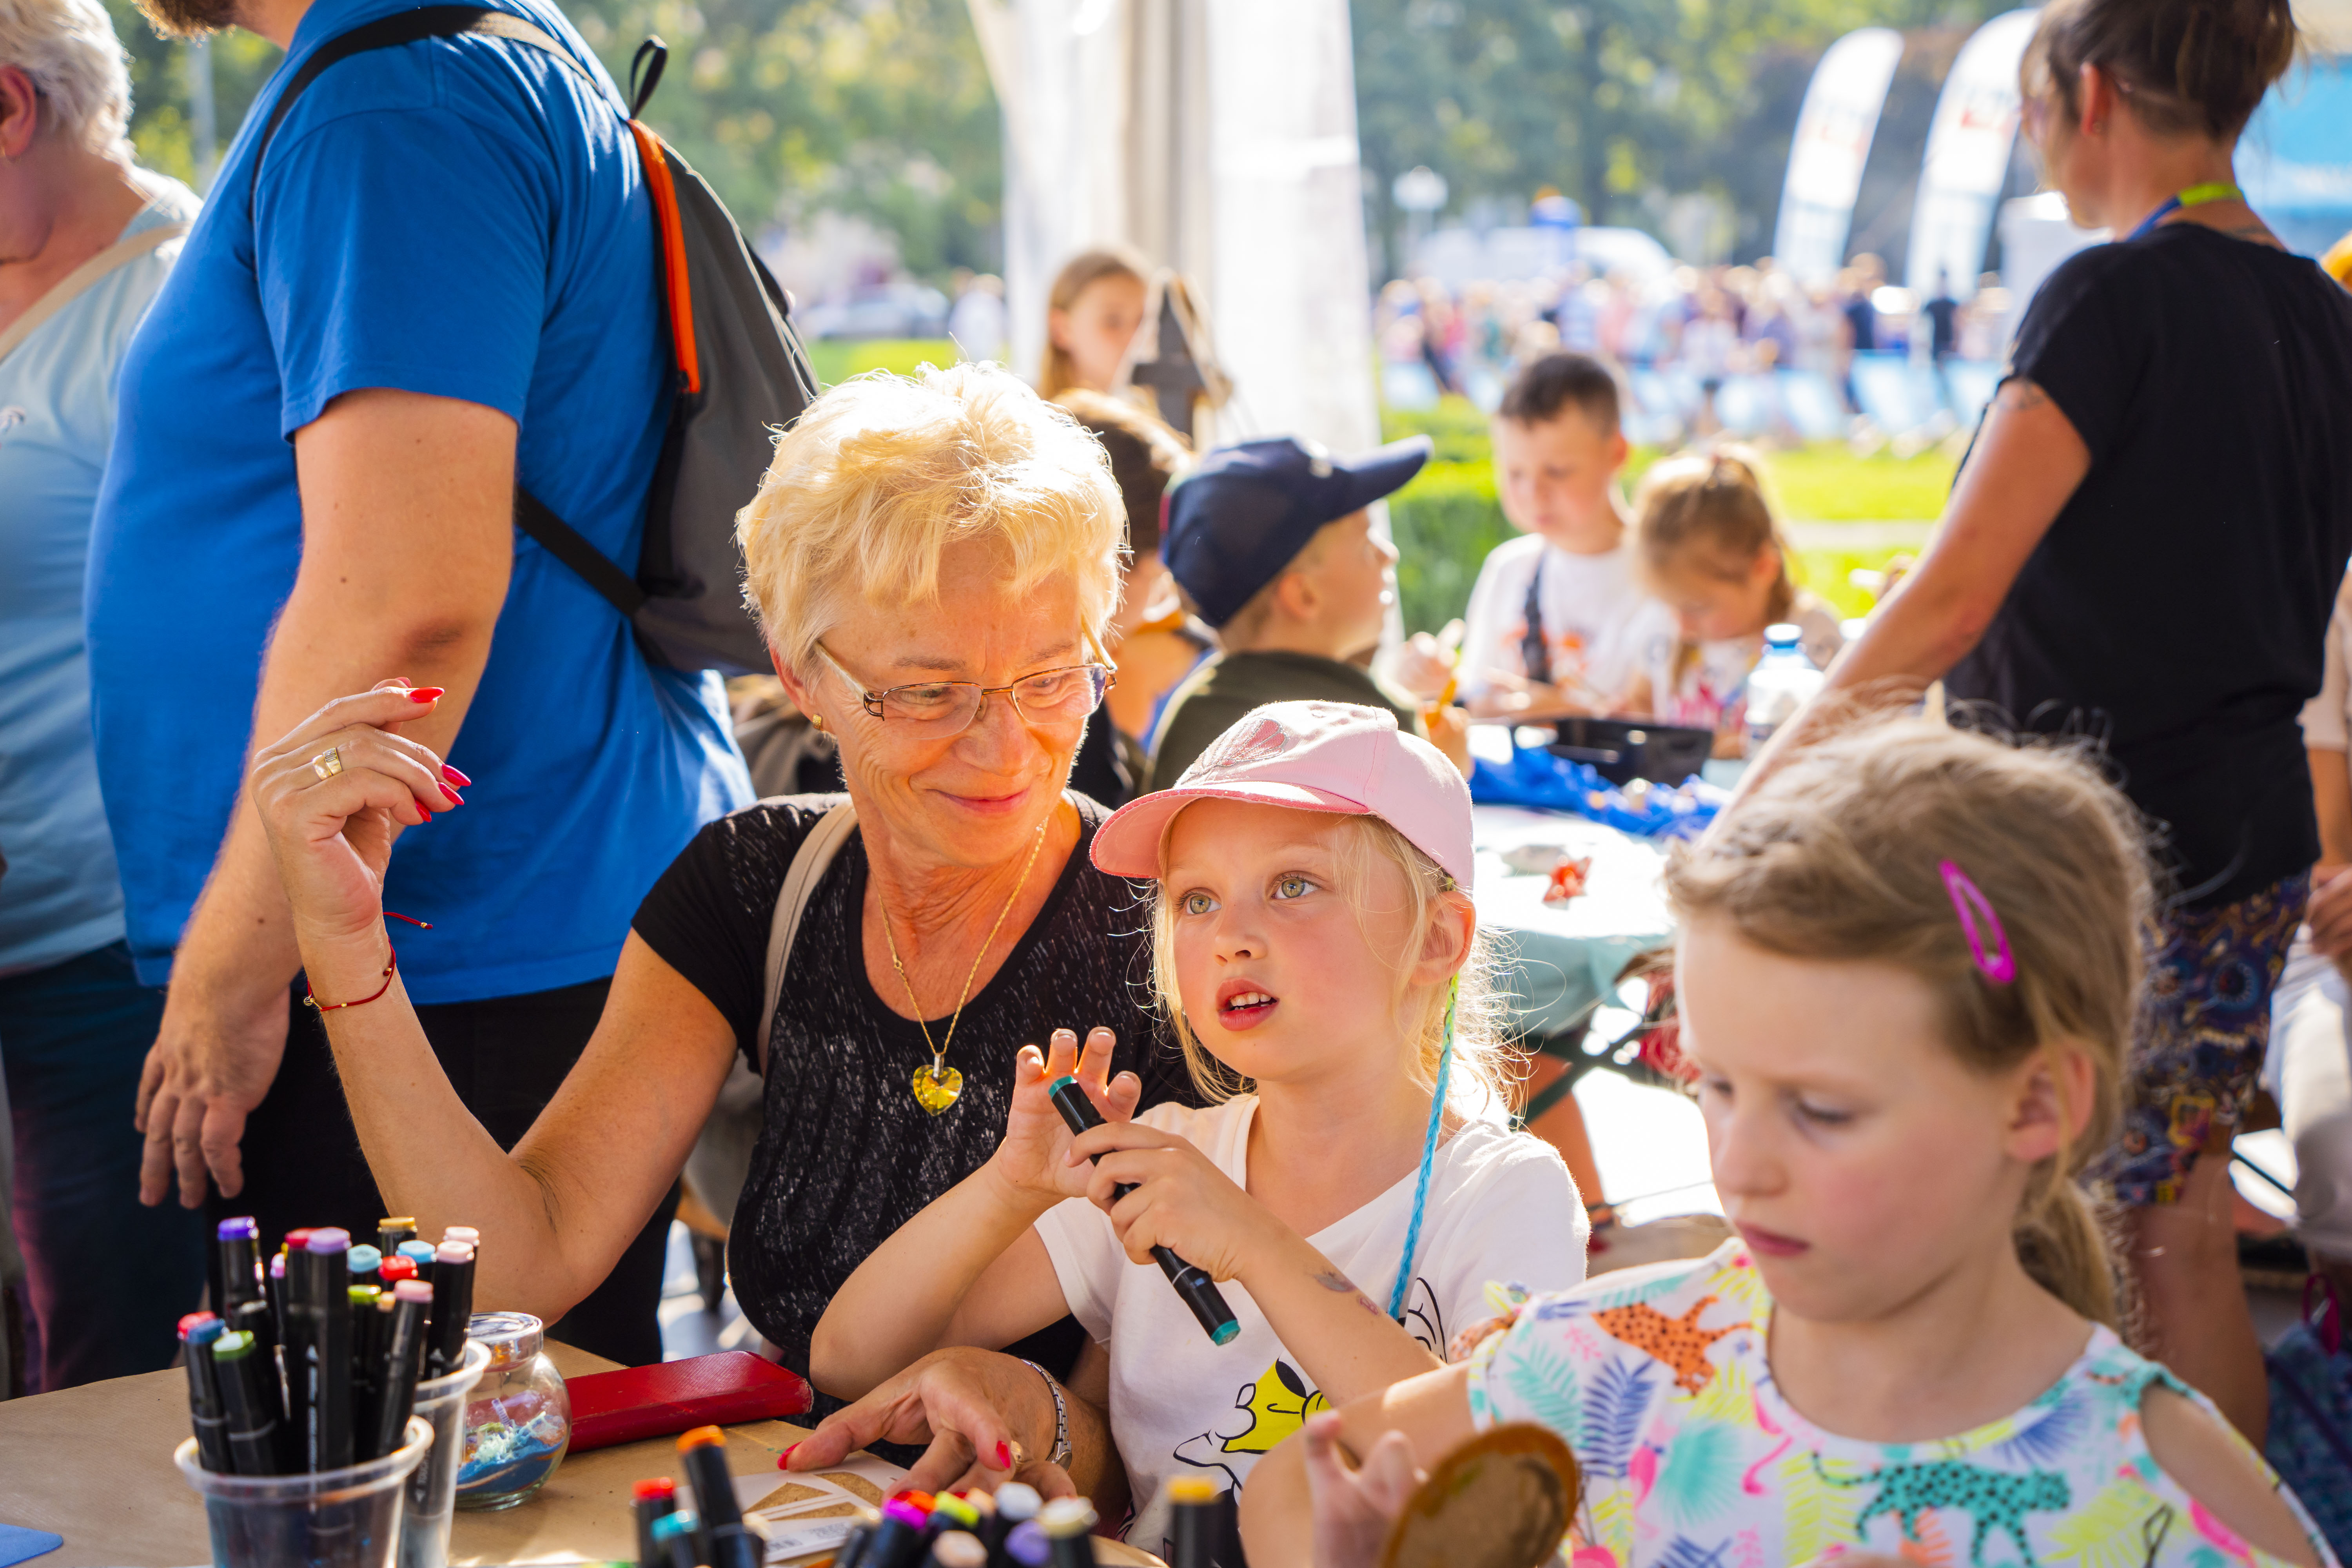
[1091,315]
[1907,973]
[1707,547]
[1353,1187]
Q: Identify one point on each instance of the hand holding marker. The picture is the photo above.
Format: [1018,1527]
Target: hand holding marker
[1199,1292]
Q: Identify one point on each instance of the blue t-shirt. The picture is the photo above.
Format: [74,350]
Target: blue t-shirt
[464,217]
[59,899]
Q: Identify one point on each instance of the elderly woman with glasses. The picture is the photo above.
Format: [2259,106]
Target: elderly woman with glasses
[935,560]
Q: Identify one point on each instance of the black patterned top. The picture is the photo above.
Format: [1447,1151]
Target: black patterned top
[846,1155]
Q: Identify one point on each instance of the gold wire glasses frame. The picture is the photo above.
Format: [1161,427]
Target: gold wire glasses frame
[1055,696]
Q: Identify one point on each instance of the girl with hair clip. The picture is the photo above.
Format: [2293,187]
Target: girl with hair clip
[1354,1186]
[1709,549]
[1907,971]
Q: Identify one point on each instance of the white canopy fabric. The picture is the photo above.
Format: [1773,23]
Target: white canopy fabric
[1216,138]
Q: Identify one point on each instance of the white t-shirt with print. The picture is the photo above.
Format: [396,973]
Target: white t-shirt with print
[1705,685]
[1597,621]
[1501,1207]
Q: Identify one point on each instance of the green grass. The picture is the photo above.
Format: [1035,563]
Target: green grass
[1448,518]
[837,359]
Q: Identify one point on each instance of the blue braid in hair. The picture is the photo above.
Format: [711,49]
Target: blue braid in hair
[1428,1156]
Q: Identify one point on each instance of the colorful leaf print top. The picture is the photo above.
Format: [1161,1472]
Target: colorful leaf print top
[1657,1378]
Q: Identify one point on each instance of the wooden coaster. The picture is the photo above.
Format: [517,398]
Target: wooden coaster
[1503,1500]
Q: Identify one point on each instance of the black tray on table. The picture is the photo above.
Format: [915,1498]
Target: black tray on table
[1624,750]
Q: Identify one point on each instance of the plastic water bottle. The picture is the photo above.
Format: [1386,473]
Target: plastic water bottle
[1783,680]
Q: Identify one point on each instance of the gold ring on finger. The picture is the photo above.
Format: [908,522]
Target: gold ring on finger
[328,763]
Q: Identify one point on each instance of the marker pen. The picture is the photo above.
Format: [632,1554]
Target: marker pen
[363,1261]
[397,1360]
[673,1536]
[1068,1524]
[898,1539]
[273,1288]
[958,1549]
[989,1527]
[649,1500]
[197,1332]
[325,1296]
[726,1542]
[1017,1503]
[452,1308]
[950,1511]
[1193,1516]
[1198,1290]
[367,1348]
[237,1245]
[250,1405]
[1027,1546]
[853,1545]
[392,1231]
[419,1253]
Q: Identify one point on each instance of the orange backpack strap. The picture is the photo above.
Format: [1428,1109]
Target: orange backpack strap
[677,291]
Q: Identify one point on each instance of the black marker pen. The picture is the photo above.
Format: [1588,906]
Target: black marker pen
[325,1298]
[249,1390]
[392,1231]
[452,1308]
[650,1500]
[1199,1292]
[399,1357]
[727,1542]
[197,1332]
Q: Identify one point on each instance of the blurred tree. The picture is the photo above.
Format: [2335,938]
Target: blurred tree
[1616,102]
[882,110]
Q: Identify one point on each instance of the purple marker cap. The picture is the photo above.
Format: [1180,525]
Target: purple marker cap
[320,1243]
[242,1228]
[904,1512]
[412,1291]
[1027,1544]
[454,1252]
[277,1267]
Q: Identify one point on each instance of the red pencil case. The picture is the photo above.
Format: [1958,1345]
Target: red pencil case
[641,1402]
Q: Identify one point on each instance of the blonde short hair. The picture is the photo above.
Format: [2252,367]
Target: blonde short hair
[884,472]
[78,66]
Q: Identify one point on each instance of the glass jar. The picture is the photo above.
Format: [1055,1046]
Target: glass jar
[519,1422]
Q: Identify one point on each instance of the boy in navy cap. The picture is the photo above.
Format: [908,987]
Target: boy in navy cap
[1271,543]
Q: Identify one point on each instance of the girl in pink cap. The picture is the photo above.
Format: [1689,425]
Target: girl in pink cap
[1354,1186]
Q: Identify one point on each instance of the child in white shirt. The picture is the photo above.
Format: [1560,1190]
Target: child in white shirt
[1317,949]
[1558,619]
[1709,550]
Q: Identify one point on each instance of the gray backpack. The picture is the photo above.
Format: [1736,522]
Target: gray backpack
[741,376]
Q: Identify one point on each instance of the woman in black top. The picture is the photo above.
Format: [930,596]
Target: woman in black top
[936,560]
[2141,551]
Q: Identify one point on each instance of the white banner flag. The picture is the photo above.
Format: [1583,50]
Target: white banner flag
[1832,141]
[1969,143]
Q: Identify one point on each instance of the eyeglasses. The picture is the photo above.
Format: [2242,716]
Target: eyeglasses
[937,709]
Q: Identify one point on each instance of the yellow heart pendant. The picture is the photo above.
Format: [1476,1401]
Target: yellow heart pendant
[936,1087]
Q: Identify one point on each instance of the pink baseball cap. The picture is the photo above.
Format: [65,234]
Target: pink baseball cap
[1311,756]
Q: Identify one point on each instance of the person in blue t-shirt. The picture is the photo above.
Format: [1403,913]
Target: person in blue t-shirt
[442,284]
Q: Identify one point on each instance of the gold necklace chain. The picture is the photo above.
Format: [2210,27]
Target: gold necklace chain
[940,1051]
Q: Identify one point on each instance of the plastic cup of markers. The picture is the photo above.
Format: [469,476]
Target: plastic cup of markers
[348,1518]
[433,1490]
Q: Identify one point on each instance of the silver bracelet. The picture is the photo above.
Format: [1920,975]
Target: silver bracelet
[1061,1455]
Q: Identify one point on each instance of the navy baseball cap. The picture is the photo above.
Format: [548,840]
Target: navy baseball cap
[1246,511]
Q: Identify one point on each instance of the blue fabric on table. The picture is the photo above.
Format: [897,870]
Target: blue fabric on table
[17,1543]
[1536,779]
[456,217]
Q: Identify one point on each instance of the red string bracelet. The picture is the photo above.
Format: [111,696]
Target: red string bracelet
[390,964]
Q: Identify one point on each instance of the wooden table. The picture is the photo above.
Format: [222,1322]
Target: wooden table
[94,1464]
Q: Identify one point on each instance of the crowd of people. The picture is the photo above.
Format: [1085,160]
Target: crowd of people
[1082,761]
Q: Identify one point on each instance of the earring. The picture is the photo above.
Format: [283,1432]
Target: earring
[816,722]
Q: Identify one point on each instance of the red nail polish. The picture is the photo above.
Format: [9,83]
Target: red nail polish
[1003,1454]
[454,798]
[453,775]
[425,693]
[784,1459]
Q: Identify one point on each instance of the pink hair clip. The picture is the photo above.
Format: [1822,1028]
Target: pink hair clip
[1970,903]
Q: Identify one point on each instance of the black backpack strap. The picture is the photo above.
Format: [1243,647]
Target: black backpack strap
[407,28]
[567,544]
